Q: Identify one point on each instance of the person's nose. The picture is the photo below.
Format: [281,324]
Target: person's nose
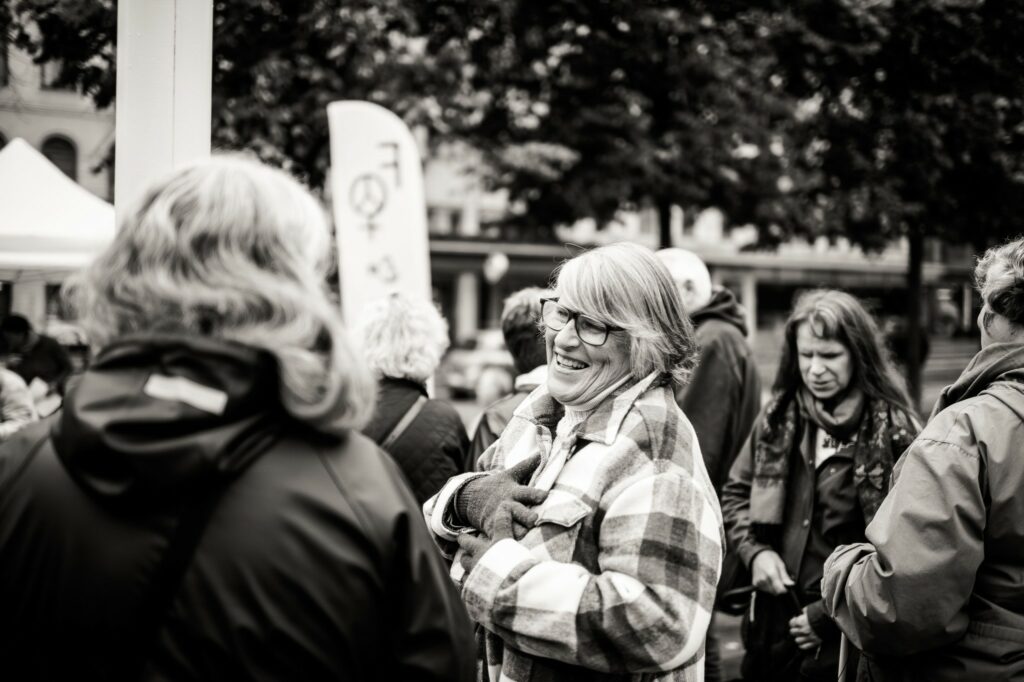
[568,338]
[817,367]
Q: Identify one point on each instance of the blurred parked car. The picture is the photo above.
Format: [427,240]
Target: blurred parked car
[482,369]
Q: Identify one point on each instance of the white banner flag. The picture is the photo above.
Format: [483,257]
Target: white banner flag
[379,210]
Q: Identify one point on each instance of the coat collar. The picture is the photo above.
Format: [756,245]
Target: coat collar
[602,424]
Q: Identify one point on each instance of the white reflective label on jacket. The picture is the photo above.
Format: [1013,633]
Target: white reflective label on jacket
[186,391]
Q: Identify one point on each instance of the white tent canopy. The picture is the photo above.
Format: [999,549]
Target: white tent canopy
[48,223]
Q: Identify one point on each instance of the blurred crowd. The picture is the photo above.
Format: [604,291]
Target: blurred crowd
[235,488]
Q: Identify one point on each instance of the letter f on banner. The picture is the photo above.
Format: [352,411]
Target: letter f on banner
[379,211]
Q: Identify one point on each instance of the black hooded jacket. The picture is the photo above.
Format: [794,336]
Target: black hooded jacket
[312,564]
[723,397]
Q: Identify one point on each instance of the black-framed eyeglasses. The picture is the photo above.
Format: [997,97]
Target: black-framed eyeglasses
[591,332]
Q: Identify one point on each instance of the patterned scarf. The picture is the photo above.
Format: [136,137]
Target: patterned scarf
[870,431]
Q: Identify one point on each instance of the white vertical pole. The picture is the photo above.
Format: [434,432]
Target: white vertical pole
[164,78]
[748,297]
[966,307]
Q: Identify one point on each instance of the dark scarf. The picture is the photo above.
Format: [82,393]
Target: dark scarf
[869,431]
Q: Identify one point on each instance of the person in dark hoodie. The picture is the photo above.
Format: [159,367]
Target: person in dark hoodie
[723,397]
[204,507]
[937,591]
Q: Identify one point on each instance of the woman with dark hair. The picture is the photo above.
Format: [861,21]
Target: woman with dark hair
[811,477]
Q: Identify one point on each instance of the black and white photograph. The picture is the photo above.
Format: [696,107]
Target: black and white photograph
[504,341]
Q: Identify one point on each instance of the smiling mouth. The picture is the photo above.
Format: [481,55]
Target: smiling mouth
[569,363]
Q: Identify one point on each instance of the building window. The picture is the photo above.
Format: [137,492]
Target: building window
[61,153]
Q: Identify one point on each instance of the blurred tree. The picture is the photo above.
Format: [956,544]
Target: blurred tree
[276,65]
[912,120]
[580,108]
[583,108]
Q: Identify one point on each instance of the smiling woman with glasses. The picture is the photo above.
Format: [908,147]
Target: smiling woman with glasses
[592,542]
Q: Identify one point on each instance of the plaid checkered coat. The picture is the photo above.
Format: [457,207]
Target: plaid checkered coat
[617,579]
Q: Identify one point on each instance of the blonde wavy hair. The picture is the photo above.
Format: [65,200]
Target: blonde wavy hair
[625,285]
[403,338]
[230,249]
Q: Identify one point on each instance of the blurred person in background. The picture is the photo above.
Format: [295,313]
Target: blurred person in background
[590,547]
[810,478]
[402,342]
[723,396]
[520,325]
[16,406]
[937,591]
[204,506]
[41,361]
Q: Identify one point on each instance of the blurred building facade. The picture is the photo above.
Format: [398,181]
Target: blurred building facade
[466,238]
[476,261]
[67,128]
[64,125]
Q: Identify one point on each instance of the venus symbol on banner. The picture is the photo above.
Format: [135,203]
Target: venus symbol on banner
[379,211]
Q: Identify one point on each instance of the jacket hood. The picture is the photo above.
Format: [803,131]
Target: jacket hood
[156,419]
[723,306]
[999,362]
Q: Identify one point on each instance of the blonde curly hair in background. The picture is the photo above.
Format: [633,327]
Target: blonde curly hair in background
[403,338]
[230,249]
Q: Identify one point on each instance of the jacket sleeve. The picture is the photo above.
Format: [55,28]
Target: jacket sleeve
[707,401]
[736,503]
[431,635]
[906,591]
[647,610]
[16,407]
[438,511]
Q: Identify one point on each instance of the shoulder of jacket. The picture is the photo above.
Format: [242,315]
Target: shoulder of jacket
[365,476]
[959,425]
[656,427]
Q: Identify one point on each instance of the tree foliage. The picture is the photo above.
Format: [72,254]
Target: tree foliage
[913,115]
[871,119]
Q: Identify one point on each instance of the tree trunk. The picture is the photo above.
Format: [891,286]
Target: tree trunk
[664,224]
[915,286]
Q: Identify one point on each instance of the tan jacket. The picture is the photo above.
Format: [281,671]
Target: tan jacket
[938,594]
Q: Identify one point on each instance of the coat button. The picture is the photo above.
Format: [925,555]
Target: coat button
[807,522]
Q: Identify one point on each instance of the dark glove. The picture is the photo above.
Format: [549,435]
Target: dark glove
[477,501]
[473,547]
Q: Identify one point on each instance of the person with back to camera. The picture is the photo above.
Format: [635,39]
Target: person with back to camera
[402,343]
[590,546]
[937,591]
[810,478]
[204,507]
[520,318]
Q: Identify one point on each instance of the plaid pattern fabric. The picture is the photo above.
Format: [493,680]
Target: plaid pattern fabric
[617,580]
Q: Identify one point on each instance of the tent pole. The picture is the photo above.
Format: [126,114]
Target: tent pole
[164,78]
